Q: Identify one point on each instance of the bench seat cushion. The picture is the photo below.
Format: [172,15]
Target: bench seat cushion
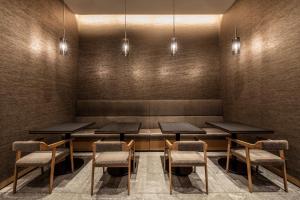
[186,158]
[41,158]
[113,158]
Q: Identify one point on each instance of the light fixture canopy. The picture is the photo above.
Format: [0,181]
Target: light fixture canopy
[125,42]
[236,44]
[63,44]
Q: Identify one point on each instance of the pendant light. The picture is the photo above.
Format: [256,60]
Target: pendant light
[174,45]
[236,43]
[125,42]
[63,45]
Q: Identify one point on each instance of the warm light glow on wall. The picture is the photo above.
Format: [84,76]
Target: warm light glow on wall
[148,19]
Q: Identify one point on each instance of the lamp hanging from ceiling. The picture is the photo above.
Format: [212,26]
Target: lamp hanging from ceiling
[125,42]
[236,43]
[63,45]
[174,44]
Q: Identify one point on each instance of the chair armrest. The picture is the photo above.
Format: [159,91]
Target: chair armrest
[59,143]
[130,145]
[243,143]
[168,144]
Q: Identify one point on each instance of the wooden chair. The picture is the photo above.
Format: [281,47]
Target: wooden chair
[113,154]
[187,154]
[40,155]
[258,154]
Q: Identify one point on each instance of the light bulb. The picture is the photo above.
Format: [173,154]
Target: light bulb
[63,46]
[174,46]
[125,47]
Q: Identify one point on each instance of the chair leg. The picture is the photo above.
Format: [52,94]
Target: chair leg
[194,169]
[15,179]
[92,181]
[103,170]
[42,170]
[206,178]
[257,168]
[285,178]
[228,159]
[249,175]
[129,176]
[72,162]
[51,176]
[170,176]
[164,159]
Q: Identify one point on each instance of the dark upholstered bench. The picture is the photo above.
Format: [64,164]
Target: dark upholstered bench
[150,139]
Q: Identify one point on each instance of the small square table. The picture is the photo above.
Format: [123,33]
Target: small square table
[178,128]
[120,128]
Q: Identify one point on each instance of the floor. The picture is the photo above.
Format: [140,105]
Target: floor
[150,182]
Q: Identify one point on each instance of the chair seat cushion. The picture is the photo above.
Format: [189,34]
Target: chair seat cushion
[41,158]
[187,158]
[119,158]
[258,156]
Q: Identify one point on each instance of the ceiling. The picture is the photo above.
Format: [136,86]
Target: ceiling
[148,7]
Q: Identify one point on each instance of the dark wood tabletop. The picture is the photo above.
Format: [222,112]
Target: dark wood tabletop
[238,128]
[65,128]
[120,128]
[179,127]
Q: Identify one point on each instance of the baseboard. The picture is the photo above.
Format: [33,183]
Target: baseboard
[290,178]
[9,180]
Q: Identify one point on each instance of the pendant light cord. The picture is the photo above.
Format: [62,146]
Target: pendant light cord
[125,25]
[64,19]
[173,18]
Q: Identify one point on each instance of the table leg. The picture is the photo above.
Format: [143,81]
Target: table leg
[122,137]
[177,135]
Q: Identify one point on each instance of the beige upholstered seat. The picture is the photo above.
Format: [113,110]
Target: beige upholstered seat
[186,154]
[40,155]
[258,156]
[113,154]
[41,158]
[112,159]
[187,158]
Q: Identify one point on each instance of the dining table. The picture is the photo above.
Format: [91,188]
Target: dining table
[65,129]
[120,128]
[179,128]
[236,129]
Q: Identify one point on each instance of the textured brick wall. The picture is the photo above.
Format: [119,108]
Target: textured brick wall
[37,85]
[150,72]
[261,86]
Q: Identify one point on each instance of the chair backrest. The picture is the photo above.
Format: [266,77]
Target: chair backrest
[104,146]
[190,145]
[26,146]
[273,145]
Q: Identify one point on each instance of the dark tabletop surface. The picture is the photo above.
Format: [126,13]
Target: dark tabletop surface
[238,128]
[179,127]
[64,128]
[117,128]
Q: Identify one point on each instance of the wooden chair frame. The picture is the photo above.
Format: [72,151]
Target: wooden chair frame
[45,147]
[247,147]
[169,147]
[130,147]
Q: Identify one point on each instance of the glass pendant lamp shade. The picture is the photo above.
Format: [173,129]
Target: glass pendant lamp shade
[63,46]
[174,46]
[236,44]
[125,47]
